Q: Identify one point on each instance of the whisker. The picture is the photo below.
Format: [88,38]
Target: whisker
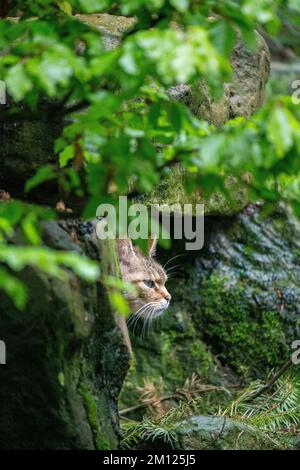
[171,259]
[147,320]
[150,320]
[140,317]
[132,320]
[150,323]
[135,324]
[173,267]
[142,307]
[139,314]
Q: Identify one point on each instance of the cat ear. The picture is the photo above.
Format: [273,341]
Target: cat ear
[152,242]
[125,248]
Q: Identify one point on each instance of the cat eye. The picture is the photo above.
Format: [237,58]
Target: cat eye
[149,283]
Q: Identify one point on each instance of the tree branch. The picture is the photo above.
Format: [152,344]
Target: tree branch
[274,379]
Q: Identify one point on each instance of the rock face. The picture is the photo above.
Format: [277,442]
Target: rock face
[238,301]
[66,360]
[246,286]
[242,97]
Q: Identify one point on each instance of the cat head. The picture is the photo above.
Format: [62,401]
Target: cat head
[147,276]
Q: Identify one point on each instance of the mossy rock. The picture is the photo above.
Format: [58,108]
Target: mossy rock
[203,432]
[220,433]
[171,191]
[112,27]
[243,95]
[168,355]
[243,289]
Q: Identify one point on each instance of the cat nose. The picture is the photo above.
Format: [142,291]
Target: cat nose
[168,297]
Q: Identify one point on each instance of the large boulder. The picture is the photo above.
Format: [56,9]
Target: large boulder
[242,96]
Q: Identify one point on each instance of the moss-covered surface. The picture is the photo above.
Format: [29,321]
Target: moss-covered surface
[112,27]
[245,285]
[172,191]
[65,363]
[109,23]
[250,338]
[170,353]
[247,289]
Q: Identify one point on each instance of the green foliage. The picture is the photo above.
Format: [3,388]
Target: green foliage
[289,32]
[272,416]
[44,173]
[13,288]
[49,261]
[116,288]
[18,220]
[162,429]
[276,413]
[122,124]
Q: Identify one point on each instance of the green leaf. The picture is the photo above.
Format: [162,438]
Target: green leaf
[92,6]
[18,82]
[61,378]
[279,131]
[119,303]
[66,155]
[84,267]
[44,173]
[29,226]
[14,288]
[49,261]
[180,5]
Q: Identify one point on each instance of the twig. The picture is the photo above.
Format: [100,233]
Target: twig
[178,395]
[142,405]
[274,379]
[218,435]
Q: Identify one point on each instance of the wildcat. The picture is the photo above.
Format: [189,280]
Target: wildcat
[147,276]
